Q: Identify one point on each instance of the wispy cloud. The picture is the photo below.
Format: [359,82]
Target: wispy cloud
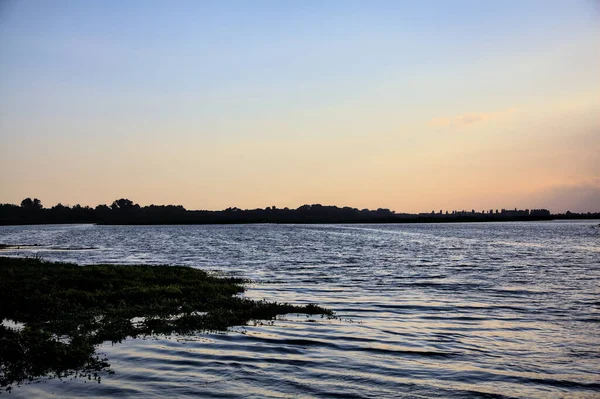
[470,118]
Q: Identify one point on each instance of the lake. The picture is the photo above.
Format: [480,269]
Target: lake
[491,310]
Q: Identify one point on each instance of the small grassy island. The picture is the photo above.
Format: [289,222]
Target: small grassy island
[65,311]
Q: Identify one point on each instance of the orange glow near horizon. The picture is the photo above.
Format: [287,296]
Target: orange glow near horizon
[441,168]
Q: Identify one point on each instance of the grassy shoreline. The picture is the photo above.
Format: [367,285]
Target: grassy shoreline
[68,310]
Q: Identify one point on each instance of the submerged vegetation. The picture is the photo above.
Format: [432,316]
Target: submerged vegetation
[62,311]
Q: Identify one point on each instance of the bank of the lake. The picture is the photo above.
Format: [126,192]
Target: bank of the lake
[56,314]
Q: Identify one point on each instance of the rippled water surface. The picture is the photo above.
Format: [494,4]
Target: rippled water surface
[489,310]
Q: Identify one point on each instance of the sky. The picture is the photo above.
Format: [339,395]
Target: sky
[406,105]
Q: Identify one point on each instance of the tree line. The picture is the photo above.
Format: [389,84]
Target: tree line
[125,211]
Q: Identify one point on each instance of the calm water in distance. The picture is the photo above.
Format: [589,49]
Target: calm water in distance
[491,310]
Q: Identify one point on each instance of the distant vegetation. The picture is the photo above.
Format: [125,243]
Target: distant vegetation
[66,310]
[125,211]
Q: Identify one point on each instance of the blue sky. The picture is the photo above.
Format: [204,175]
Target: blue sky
[215,104]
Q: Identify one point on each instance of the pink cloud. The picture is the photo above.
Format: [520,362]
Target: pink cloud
[470,118]
[576,197]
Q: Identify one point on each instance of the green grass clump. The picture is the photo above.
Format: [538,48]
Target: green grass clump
[68,310]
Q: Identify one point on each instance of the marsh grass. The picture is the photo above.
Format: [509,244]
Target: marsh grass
[68,310]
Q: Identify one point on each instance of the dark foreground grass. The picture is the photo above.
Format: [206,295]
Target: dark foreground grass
[68,310]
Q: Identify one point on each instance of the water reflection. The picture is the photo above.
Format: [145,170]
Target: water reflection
[464,310]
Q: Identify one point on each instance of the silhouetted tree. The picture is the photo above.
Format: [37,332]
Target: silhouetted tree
[28,203]
[124,204]
[59,207]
